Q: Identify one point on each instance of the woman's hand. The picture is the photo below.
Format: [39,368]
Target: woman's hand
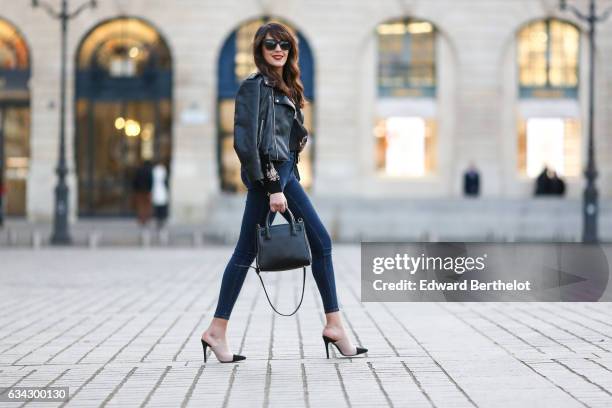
[278,202]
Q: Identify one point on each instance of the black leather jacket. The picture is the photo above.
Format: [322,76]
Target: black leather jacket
[262,134]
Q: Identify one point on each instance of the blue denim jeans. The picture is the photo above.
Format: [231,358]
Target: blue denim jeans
[255,211]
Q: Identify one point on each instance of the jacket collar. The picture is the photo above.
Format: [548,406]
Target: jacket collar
[280,97]
[265,79]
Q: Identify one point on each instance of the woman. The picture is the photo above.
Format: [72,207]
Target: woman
[268,137]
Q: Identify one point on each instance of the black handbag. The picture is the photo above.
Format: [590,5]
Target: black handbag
[282,247]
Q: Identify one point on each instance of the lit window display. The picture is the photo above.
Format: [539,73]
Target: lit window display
[406,58]
[551,142]
[548,55]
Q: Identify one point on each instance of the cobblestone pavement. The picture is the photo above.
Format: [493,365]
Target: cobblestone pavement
[121,327]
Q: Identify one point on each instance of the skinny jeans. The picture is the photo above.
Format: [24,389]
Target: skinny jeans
[255,211]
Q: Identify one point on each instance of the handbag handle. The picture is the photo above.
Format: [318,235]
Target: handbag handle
[291,223]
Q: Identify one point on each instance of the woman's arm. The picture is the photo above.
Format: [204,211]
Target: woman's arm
[246,118]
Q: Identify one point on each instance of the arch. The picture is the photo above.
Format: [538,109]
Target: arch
[15,72]
[306,51]
[154,29]
[533,20]
[228,82]
[11,37]
[123,112]
[232,67]
[534,37]
[103,37]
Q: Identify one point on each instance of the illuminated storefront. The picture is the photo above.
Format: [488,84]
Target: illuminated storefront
[123,111]
[14,119]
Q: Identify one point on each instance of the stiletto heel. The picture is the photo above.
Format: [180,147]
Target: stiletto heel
[235,357]
[204,345]
[327,340]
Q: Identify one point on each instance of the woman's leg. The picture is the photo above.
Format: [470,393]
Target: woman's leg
[255,211]
[322,265]
[319,240]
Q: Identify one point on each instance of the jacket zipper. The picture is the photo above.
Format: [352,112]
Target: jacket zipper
[260,135]
[274,125]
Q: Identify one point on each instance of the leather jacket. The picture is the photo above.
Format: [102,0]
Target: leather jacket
[263,134]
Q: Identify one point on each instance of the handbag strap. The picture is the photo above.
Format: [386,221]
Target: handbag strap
[266,292]
[268,297]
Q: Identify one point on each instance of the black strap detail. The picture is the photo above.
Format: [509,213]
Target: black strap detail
[268,297]
[270,302]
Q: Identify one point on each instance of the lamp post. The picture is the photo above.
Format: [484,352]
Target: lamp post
[590,207]
[60,234]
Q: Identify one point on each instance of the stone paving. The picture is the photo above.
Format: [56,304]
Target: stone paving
[121,327]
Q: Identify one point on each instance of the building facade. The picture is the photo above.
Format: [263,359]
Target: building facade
[403,95]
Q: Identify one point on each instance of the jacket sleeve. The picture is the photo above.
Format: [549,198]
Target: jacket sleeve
[246,118]
[271,179]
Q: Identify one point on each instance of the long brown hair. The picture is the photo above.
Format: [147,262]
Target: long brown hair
[290,83]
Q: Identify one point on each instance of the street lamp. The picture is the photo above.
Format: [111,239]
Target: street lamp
[60,234]
[589,207]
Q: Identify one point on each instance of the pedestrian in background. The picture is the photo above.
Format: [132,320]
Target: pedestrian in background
[159,194]
[543,182]
[141,185]
[471,181]
[557,185]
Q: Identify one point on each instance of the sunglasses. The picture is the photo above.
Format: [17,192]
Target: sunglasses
[271,44]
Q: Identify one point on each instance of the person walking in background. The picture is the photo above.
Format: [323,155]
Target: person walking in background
[141,185]
[543,182]
[557,185]
[159,193]
[268,137]
[471,181]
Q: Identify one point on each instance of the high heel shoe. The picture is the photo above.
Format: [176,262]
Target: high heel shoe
[235,357]
[327,340]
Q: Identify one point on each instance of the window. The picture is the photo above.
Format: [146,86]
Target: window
[548,55]
[406,58]
[405,128]
[405,146]
[552,142]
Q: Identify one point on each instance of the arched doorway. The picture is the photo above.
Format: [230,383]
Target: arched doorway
[235,64]
[14,120]
[123,112]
